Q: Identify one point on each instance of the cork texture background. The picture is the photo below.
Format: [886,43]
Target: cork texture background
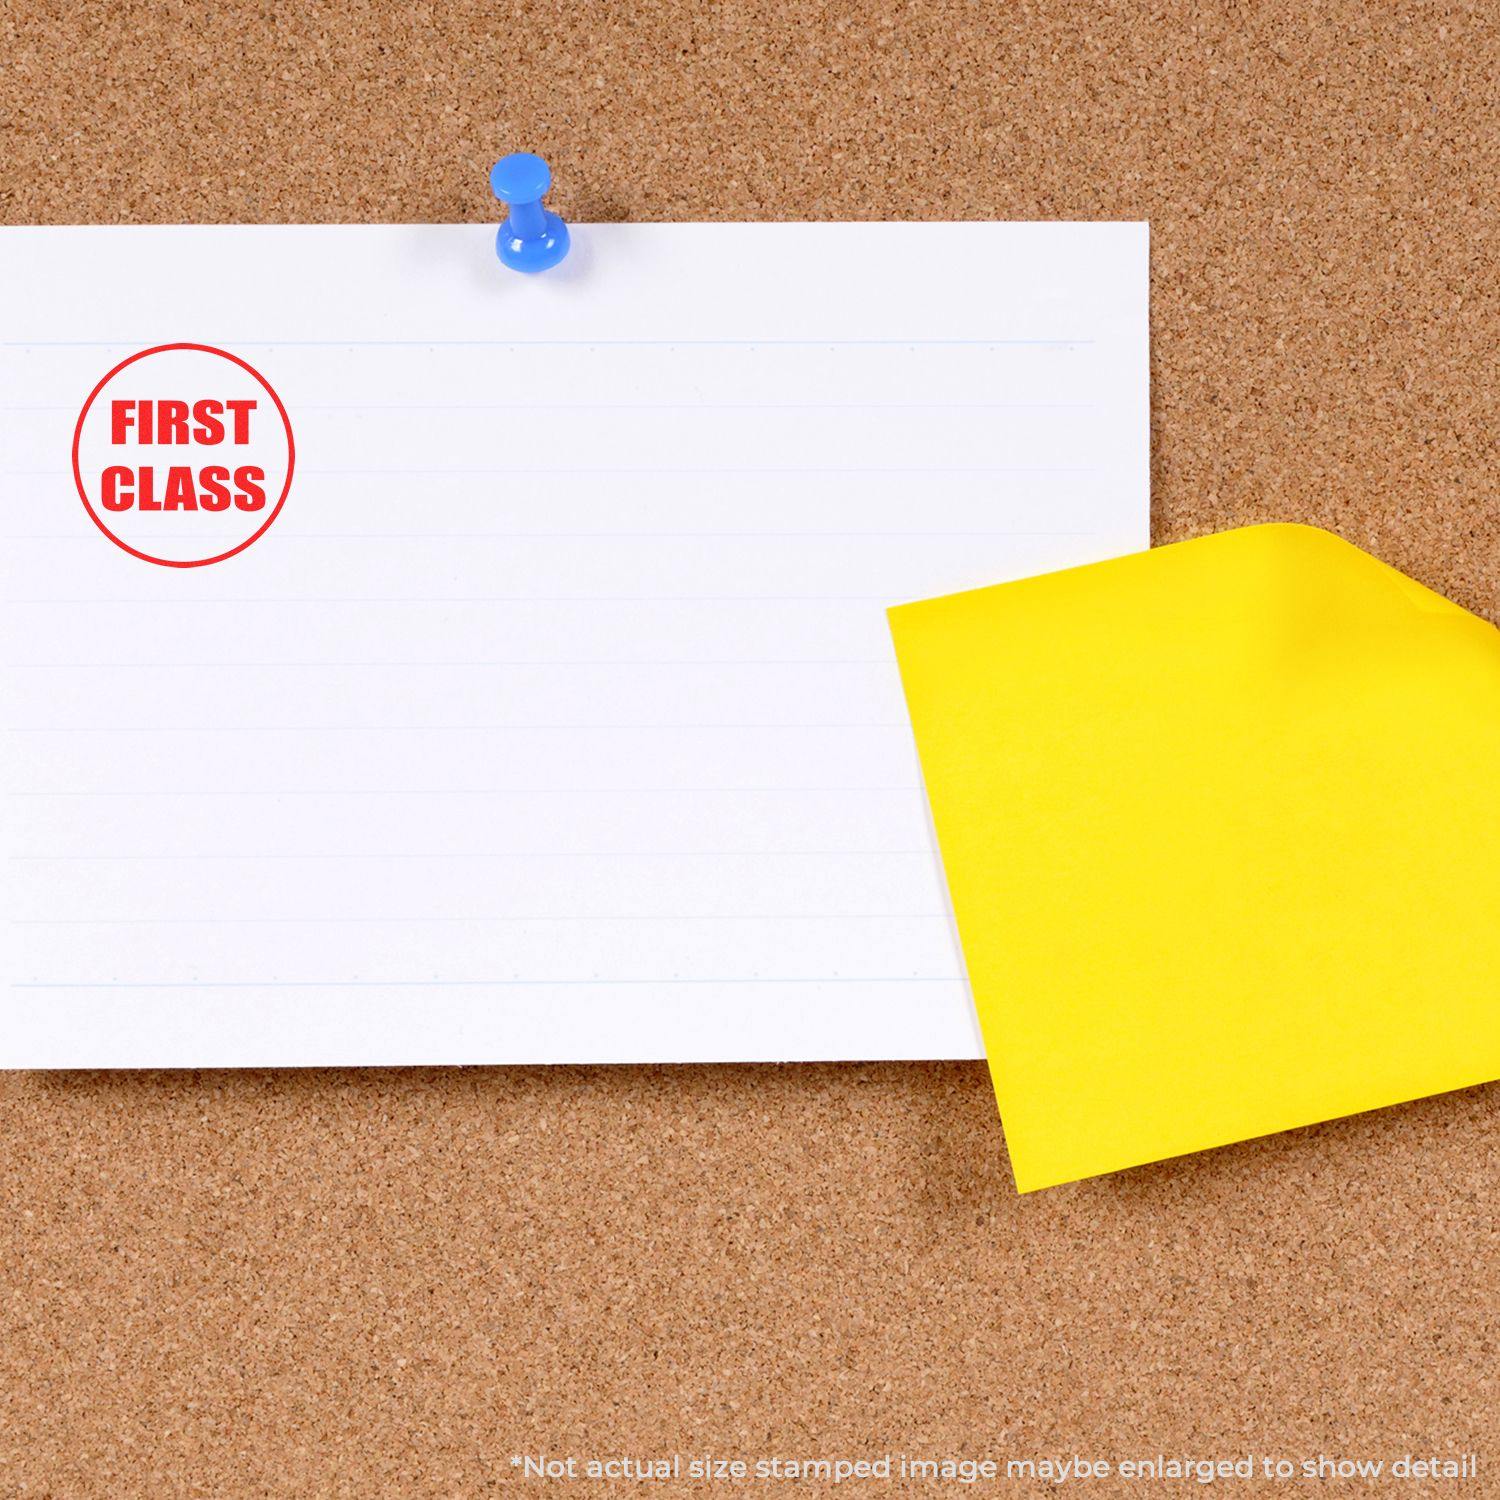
[390,1282]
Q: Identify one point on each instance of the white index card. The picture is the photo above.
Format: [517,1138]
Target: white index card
[555,718]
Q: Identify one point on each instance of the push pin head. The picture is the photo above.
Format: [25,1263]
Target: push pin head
[531,238]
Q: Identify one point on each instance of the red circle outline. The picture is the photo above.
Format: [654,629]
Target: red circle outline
[291,457]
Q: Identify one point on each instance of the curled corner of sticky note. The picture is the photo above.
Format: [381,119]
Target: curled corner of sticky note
[1219,823]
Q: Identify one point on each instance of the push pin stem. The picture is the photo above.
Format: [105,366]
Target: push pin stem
[532,238]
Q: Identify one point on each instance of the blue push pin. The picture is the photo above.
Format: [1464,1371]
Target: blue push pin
[532,238]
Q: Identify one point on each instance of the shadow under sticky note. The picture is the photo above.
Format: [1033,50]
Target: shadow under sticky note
[1220,825]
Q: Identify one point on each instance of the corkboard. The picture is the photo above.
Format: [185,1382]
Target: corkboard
[387,1283]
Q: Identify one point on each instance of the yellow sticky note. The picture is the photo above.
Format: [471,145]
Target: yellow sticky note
[1221,827]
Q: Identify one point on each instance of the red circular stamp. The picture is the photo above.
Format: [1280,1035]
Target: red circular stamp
[183,455]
